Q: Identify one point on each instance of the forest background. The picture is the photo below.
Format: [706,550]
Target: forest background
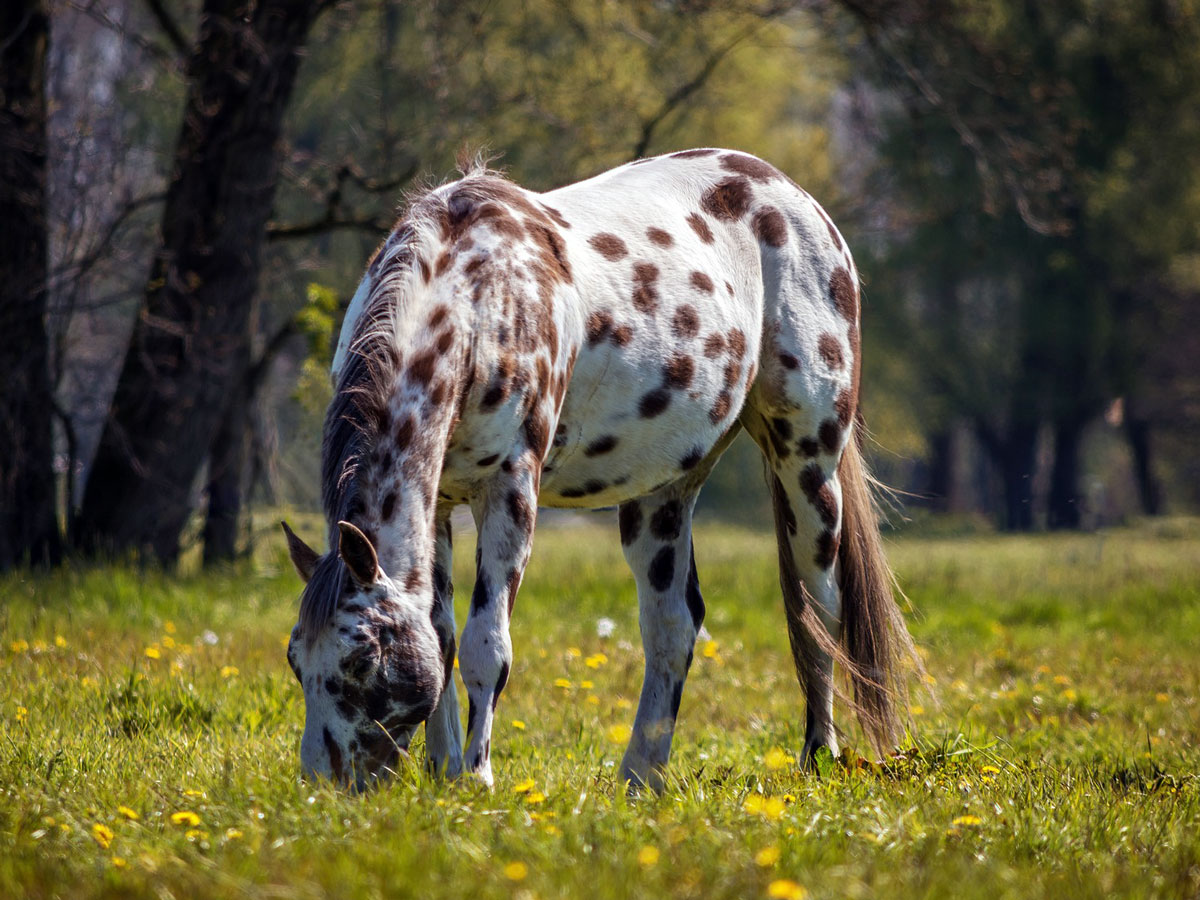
[189,192]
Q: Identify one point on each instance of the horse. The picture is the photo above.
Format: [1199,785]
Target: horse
[597,345]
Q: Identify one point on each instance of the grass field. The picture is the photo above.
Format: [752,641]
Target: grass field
[151,731]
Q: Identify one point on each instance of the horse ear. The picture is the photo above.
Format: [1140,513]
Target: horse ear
[358,554]
[304,557]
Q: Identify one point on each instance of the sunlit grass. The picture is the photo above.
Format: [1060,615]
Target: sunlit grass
[151,729]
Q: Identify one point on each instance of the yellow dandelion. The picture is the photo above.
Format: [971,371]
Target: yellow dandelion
[786,889]
[19,646]
[232,834]
[119,862]
[40,646]
[647,856]
[552,830]
[586,685]
[623,703]
[60,642]
[754,803]
[917,710]
[185,817]
[574,652]
[767,856]
[592,699]
[128,813]
[192,792]
[524,787]
[1069,695]
[152,652]
[619,734]
[968,821]
[778,758]
[1061,679]
[167,641]
[1161,697]
[516,871]
[64,827]
[195,834]
[562,683]
[595,661]
[518,724]
[535,797]
[102,835]
[22,714]
[773,808]
[710,649]
[990,770]
[169,627]
[229,671]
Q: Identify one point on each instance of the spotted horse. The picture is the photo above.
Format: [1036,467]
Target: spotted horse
[598,345]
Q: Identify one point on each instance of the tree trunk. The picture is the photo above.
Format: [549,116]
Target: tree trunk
[1137,432]
[188,350]
[226,479]
[28,521]
[1017,465]
[940,485]
[1063,508]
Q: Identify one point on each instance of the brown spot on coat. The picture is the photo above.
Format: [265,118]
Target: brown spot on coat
[788,361]
[727,200]
[423,364]
[720,408]
[818,492]
[438,316]
[830,349]
[520,511]
[714,345]
[830,435]
[692,154]
[692,459]
[645,289]
[702,282]
[750,166]
[809,447]
[843,405]
[659,237]
[827,549]
[622,335]
[608,245]
[667,521]
[700,227]
[556,216]
[686,321]
[770,227]
[678,371]
[844,293]
[443,263]
[599,324]
[404,432]
[537,433]
[389,506]
[737,342]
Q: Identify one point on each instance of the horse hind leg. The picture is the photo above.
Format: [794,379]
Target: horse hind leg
[656,536]
[806,497]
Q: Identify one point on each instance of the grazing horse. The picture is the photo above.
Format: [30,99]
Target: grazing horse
[598,345]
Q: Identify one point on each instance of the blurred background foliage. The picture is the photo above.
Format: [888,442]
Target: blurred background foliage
[1018,181]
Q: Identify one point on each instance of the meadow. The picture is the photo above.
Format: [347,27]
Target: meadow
[151,730]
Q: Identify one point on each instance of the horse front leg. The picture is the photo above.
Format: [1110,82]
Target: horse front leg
[443,731]
[656,535]
[504,516]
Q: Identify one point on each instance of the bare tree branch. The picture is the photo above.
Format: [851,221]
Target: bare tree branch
[335,217]
[170,28]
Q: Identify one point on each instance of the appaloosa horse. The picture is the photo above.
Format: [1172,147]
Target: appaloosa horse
[598,345]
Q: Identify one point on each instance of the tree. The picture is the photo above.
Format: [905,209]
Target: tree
[28,521]
[189,344]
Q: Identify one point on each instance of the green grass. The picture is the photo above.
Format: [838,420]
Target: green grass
[1064,730]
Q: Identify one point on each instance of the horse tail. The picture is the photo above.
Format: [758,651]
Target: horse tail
[875,640]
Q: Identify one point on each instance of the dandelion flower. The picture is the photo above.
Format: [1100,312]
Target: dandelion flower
[1161,697]
[990,770]
[169,627]
[767,856]
[185,817]
[60,642]
[586,685]
[619,734]
[786,889]
[232,834]
[102,835]
[19,646]
[22,714]
[524,787]
[595,661]
[774,808]
[593,699]
[647,856]
[562,683]
[119,862]
[967,820]
[516,871]
[167,641]
[710,649]
[754,804]
[229,671]
[623,703]
[192,792]
[535,797]
[128,813]
[777,758]
[574,652]
[153,652]
[518,724]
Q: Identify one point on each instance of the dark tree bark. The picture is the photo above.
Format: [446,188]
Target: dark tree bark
[28,523]
[1137,432]
[940,486]
[188,349]
[226,480]
[1063,509]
